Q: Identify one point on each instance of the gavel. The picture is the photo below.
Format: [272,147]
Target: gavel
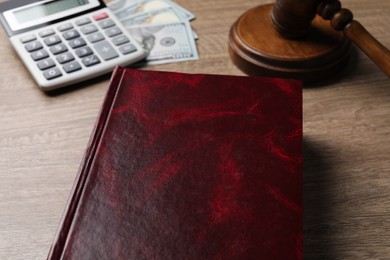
[295,39]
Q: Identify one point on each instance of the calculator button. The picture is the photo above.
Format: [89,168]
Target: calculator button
[71,67]
[113,31]
[45,33]
[52,73]
[39,55]
[64,27]
[28,38]
[71,34]
[101,16]
[83,21]
[90,28]
[95,37]
[119,40]
[91,60]
[59,48]
[33,46]
[77,43]
[106,23]
[45,64]
[65,57]
[84,51]
[51,40]
[128,48]
[105,50]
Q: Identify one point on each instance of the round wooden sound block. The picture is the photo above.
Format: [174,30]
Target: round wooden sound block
[258,49]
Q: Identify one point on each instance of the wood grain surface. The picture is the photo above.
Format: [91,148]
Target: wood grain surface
[346,142]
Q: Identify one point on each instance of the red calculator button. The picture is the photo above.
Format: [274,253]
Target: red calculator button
[101,16]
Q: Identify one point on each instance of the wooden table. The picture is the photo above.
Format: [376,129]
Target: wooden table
[346,142]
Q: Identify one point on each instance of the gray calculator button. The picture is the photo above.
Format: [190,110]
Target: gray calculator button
[39,55]
[105,50]
[71,67]
[51,40]
[65,57]
[33,46]
[64,27]
[59,48]
[119,40]
[106,23]
[95,37]
[90,60]
[113,31]
[46,32]
[28,38]
[71,34]
[45,64]
[87,29]
[128,48]
[52,73]
[83,21]
[75,43]
[84,51]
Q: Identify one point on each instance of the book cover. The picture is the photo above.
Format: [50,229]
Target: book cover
[189,166]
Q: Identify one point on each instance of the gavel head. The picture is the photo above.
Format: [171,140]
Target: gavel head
[292,18]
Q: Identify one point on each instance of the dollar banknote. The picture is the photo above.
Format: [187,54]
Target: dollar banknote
[125,8]
[161,27]
[172,42]
[156,16]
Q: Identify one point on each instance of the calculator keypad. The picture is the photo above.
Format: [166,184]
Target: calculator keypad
[119,40]
[113,31]
[65,57]
[28,38]
[91,60]
[85,51]
[51,40]
[126,49]
[90,28]
[106,23]
[95,37]
[33,46]
[59,48]
[76,45]
[45,64]
[52,73]
[83,21]
[39,55]
[72,67]
[71,34]
[64,27]
[105,50]
[47,32]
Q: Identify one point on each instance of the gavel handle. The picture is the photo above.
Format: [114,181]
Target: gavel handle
[341,19]
[378,53]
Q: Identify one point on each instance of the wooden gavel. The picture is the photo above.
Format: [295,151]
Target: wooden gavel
[293,21]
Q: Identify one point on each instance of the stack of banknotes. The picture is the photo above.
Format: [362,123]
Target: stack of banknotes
[162,27]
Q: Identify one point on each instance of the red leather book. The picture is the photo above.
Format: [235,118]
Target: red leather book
[189,166]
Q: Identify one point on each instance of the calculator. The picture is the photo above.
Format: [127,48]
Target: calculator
[63,42]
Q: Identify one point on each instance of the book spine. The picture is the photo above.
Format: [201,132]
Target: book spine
[60,238]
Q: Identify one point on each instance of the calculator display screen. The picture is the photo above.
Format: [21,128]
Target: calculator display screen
[45,9]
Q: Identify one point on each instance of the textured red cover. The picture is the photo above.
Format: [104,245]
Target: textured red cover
[183,166]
